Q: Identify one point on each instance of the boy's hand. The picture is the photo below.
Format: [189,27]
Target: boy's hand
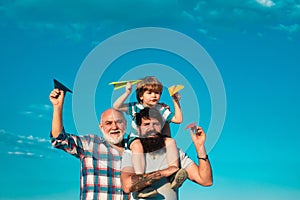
[176,96]
[128,87]
[57,97]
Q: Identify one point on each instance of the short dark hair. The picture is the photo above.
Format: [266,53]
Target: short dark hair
[148,113]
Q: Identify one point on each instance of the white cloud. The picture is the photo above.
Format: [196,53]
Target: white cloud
[16,153]
[37,110]
[288,28]
[26,154]
[266,3]
[42,107]
[55,12]
[25,145]
[203,31]
[30,137]
[74,18]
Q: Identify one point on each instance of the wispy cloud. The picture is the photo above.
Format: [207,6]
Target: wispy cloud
[254,16]
[266,3]
[74,18]
[288,28]
[42,107]
[37,110]
[25,145]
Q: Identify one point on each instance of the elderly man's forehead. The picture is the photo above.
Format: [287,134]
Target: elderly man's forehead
[112,115]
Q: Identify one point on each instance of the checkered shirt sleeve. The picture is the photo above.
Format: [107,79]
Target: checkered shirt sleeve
[100,168]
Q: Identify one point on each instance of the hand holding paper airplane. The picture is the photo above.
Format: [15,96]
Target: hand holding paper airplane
[60,86]
[120,84]
[191,126]
[174,89]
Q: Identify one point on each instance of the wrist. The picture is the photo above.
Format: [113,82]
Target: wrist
[205,158]
[57,107]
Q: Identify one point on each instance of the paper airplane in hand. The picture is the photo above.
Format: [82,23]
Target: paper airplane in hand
[120,84]
[60,86]
[174,89]
[191,126]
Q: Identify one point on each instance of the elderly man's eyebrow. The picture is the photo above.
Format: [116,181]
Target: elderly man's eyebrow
[116,121]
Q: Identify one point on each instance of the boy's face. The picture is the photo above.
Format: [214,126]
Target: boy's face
[150,98]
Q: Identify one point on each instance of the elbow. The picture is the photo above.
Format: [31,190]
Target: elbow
[126,189]
[207,184]
[115,106]
[176,121]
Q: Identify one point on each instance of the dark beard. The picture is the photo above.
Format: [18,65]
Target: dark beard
[153,144]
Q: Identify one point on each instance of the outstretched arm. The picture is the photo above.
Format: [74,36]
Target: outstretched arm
[202,173]
[57,99]
[119,103]
[177,110]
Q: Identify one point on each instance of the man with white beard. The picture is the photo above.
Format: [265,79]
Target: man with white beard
[100,157]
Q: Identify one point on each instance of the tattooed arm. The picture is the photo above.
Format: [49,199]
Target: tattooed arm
[132,182]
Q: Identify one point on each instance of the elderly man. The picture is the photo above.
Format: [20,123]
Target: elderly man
[100,158]
[149,126]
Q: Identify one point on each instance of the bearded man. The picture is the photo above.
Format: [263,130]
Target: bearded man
[157,171]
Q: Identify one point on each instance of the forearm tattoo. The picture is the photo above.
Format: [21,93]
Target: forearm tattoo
[141,181]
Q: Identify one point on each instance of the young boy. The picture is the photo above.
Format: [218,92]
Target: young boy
[148,93]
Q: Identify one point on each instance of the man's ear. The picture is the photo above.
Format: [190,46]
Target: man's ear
[139,130]
[100,126]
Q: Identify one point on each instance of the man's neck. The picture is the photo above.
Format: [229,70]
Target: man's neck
[119,147]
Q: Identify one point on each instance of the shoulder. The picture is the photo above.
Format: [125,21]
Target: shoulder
[185,160]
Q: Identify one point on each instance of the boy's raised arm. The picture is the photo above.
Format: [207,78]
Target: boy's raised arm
[119,103]
[177,110]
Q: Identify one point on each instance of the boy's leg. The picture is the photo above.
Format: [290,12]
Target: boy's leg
[138,159]
[138,162]
[166,130]
[171,152]
[146,192]
[181,175]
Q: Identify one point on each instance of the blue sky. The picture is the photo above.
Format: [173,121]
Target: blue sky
[254,44]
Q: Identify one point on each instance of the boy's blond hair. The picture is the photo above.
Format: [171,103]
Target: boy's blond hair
[149,83]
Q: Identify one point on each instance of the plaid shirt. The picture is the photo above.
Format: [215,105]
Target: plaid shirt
[100,168]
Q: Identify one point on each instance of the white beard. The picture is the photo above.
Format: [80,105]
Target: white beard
[111,140]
